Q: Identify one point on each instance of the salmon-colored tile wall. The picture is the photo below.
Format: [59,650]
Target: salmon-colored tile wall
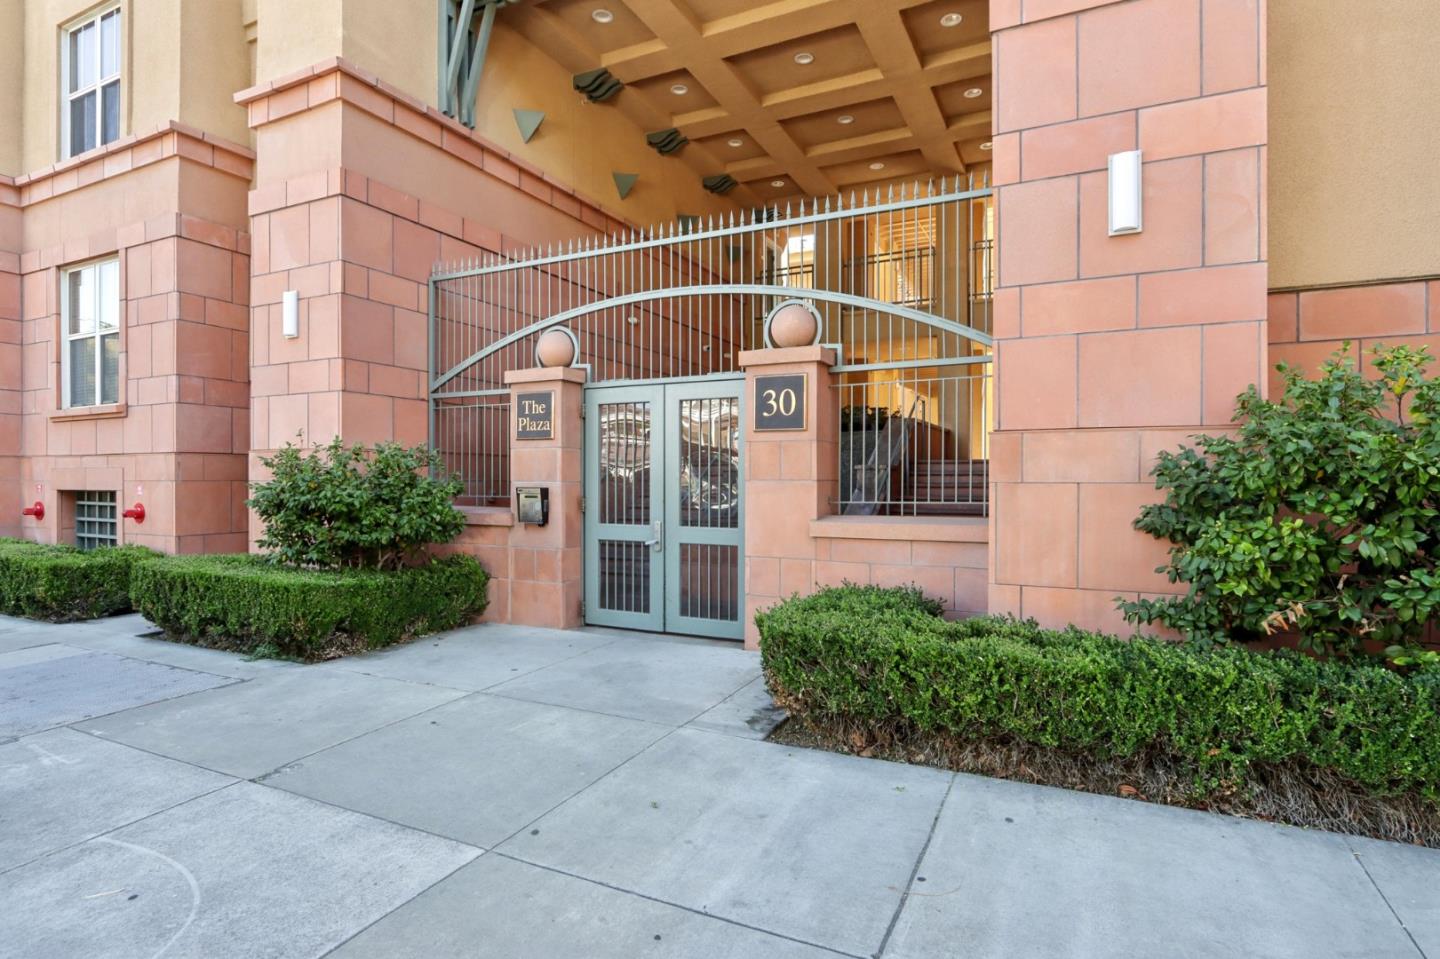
[1110,348]
[1306,327]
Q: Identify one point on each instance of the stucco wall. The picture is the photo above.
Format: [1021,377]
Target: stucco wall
[1353,141]
[12,72]
[180,60]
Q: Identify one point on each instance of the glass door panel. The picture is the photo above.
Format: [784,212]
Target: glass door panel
[623,545]
[703,505]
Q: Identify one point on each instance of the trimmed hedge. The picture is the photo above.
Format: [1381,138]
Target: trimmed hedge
[249,604]
[64,584]
[883,661]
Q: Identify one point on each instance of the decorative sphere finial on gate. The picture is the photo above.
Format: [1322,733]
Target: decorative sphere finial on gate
[793,323]
[556,347]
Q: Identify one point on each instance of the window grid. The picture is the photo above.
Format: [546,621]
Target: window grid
[90,358]
[95,519]
[90,54]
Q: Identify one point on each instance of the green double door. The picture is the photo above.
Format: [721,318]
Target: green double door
[664,505]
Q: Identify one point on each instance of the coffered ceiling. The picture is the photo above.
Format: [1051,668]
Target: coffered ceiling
[789,96]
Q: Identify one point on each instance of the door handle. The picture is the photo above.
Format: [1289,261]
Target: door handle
[659,540]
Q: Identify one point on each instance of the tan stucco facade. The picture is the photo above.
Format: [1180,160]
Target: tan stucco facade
[1354,141]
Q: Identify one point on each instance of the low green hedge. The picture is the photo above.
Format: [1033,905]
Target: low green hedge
[247,603]
[882,660]
[64,584]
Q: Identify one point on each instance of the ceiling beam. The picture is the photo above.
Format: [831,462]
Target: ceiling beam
[572,51]
[682,34]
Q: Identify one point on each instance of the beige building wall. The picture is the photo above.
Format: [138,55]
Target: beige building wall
[1354,140]
[180,60]
[12,76]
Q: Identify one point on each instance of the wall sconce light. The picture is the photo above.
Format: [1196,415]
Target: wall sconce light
[290,314]
[1126,208]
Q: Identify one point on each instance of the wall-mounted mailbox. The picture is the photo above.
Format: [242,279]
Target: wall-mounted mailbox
[533,504]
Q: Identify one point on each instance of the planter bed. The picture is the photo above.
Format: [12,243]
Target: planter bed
[62,584]
[1351,747]
[250,605]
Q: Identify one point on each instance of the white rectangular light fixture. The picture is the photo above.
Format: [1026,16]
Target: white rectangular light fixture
[290,314]
[1126,208]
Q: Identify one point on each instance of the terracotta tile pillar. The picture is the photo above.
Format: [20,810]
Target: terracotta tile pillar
[545,561]
[1112,348]
[10,407]
[789,479]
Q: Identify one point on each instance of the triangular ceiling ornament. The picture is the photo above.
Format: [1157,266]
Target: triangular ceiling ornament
[529,121]
[624,183]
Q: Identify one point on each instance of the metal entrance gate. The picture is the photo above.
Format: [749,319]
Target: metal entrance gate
[664,524]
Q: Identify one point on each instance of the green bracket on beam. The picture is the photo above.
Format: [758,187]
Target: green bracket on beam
[598,85]
[529,121]
[624,183]
[667,142]
[720,184]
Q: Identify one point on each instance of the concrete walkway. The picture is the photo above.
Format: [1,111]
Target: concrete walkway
[511,792]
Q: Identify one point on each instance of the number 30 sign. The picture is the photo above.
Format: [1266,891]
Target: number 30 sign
[780,402]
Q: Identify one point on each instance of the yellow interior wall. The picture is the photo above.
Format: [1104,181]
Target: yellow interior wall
[582,143]
[1354,137]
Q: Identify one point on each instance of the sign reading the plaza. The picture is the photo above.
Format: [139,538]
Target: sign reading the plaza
[780,402]
[535,416]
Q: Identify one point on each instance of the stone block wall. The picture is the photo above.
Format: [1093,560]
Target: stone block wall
[1111,348]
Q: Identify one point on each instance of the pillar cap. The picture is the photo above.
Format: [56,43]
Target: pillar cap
[548,374]
[787,355]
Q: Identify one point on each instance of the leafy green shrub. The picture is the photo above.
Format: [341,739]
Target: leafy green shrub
[64,584]
[345,506]
[1319,516]
[246,603]
[882,661]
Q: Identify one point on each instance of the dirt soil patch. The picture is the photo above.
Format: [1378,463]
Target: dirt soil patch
[1288,794]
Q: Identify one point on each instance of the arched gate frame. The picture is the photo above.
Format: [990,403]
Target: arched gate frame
[901,283]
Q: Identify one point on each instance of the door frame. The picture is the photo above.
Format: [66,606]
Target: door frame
[664,397]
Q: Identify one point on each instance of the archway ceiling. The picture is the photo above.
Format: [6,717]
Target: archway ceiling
[889,65]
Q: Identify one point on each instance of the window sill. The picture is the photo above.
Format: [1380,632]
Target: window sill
[942,529]
[109,411]
[487,515]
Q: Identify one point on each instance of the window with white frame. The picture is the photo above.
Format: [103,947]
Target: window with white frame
[90,55]
[90,314]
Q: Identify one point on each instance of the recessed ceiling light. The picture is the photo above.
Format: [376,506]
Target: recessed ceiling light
[951,20]
[804,59]
[986,145]
[845,119]
[735,142]
[877,165]
[777,182]
[974,92]
[679,89]
[601,15]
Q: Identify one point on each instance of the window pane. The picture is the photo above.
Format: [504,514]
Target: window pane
[82,372]
[82,300]
[111,97]
[110,44]
[72,82]
[110,368]
[109,294]
[82,57]
[82,124]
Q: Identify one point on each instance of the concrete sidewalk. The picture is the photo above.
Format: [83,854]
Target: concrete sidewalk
[513,792]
